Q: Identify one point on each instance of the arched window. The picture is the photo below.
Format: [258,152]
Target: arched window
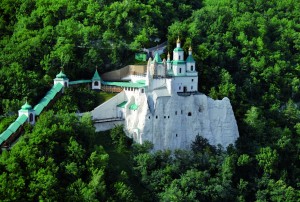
[179,70]
[96,83]
[179,57]
[30,117]
[192,87]
[192,68]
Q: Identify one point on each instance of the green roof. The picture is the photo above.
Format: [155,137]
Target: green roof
[26,106]
[51,94]
[190,59]
[96,76]
[124,84]
[141,81]
[79,82]
[133,107]
[6,134]
[57,87]
[38,109]
[21,119]
[157,58]
[178,49]
[176,62]
[61,75]
[14,126]
[45,101]
[122,105]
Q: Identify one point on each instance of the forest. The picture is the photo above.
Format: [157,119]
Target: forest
[246,50]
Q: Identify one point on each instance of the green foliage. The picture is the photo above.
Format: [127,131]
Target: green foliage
[245,50]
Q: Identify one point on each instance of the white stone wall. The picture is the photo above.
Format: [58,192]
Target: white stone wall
[171,127]
[178,84]
[109,108]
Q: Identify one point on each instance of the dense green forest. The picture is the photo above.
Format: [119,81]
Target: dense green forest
[246,50]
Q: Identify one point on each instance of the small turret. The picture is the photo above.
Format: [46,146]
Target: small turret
[62,79]
[96,80]
[27,110]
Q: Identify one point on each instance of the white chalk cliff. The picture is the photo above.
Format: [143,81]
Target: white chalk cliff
[172,122]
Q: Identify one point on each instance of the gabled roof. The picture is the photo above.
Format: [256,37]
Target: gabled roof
[96,76]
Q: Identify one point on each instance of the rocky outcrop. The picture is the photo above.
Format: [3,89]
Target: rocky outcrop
[174,121]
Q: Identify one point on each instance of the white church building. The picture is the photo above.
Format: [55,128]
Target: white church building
[164,106]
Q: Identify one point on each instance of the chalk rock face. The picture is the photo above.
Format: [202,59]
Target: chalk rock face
[172,122]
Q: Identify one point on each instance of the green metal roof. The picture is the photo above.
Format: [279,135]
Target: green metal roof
[190,59]
[96,76]
[38,109]
[61,75]
[14,126]
[157,58]
[142,81]
[176,62]
[51,94]
[79,82]
[178,49]
[6,134]
[57,87]
[122,105]
[21,119]
[124,84]
[45,101]
[133,107]
[26,106]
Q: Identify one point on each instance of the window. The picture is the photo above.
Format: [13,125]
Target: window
[181,111]
[175,112]
[176,135]
[30,117]
[148,117]
[164,117]
[190,114]
[168,117]
[192,80]
[96,83]
[156,117]
[179,70]
[179,87]
[192,68]
[192,87]
[142,90]
[66,84]
[179,57]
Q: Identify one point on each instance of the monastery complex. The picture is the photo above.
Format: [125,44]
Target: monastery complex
[161,104]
